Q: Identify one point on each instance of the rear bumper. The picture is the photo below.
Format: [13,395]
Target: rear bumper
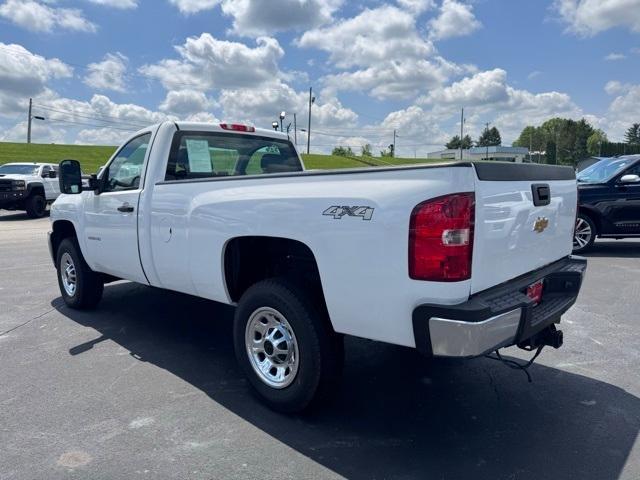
[500,316]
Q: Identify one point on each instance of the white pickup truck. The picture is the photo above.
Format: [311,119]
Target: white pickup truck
[455,260]
[28,186]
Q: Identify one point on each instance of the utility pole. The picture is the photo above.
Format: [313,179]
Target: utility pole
[394,143]
[530,144]
[485,141]
[461,131]
[295,130]
[309,123]
[29,121]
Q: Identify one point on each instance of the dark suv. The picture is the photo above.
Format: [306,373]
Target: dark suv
[608,201]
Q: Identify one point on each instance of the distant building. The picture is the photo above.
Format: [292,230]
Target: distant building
[499,153]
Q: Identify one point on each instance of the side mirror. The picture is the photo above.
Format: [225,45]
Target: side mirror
[70,177]
[52,174]
[630,179]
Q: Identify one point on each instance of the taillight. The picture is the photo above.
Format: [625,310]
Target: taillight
[441,238]
[236,127]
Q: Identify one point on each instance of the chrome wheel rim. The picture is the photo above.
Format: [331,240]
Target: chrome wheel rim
[272,347]
[68,274]
[582,234]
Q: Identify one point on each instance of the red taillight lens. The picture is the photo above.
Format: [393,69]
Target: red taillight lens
[237,127]
[441,238]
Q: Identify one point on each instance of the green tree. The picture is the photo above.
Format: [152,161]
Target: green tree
[454,143]
[594,142]
[366,150]
[490,138]
[632,135]
[342,152]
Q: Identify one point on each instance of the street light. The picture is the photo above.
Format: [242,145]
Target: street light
[275,126]
[282,115]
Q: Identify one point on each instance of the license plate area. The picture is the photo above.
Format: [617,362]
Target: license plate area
[534,291]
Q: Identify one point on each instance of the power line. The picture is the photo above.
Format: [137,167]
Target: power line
[70,113]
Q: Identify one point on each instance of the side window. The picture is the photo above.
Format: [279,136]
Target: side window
[125,170]
[635,170]
[45,171]
[207,155]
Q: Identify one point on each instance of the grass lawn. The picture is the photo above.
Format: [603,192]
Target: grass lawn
[92,157]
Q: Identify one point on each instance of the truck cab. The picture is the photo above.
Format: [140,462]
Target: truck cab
[29,187]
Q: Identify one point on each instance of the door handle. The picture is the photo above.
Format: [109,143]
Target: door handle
[125,208]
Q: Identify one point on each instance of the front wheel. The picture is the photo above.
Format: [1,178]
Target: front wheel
[81,287]
[584,234]
[288,353]
[36,206]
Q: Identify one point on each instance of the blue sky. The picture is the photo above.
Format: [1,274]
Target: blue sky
[98,69]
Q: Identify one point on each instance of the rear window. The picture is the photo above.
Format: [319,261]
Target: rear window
[209,155]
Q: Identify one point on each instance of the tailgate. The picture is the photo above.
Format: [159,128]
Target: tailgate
[525,215]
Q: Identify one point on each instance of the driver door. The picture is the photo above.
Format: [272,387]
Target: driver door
[625,210]
[111,217]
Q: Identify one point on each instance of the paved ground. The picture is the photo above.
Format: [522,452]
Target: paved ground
[147,387]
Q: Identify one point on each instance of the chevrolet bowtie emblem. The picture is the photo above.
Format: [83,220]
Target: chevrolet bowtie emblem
[541,224]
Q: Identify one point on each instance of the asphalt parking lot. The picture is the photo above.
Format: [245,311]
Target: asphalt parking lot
[147,387]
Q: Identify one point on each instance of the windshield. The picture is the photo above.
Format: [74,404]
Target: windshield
[604,170]
[18,170]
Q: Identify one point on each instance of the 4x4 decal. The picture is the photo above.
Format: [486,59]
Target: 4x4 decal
[337,212]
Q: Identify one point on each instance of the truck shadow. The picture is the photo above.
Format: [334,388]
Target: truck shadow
[19,217]
[614,248]
[396,415]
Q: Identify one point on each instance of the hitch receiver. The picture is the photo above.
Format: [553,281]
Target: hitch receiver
[549,336]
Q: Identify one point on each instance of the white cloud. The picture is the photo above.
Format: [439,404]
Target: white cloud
[456,19]
[373,36]
[122,4]
[612,57]
[188,7]
[41,132]
[186,102]
[483,88]
[101,136]
[206,62]
[487,96]
[108,74]
[417,6]
[589,17]
[395,79]
[534,74]
[39,17]
[23,75]
[262,105]
[614,87]
[262,17]
[623,110]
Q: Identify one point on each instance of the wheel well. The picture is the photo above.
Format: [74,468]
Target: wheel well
[595,218]
[61,229]
[36,190]
[248,260]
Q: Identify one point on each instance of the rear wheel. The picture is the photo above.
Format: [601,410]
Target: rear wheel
[584,234]
[288,353]
[81,287]
[36,206]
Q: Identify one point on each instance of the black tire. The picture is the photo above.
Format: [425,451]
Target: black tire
[36,206]
[321,351]
[584,234]
[88,284]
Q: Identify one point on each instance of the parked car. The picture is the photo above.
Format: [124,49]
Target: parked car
[455,260]
[608,201]
[28,186]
